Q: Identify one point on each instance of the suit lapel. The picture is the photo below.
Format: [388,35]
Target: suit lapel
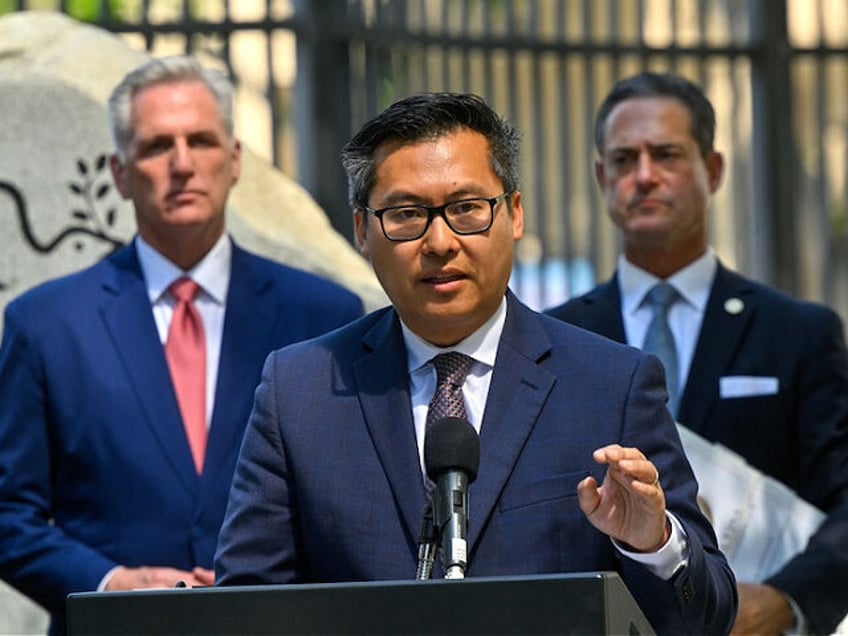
[127,317]
[602,311]
[245,342]
[721,334]
[517,393]
[382,382]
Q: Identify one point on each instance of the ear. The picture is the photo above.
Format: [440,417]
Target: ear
[118,175]
[600,174]
[360,226]
[517,216]
[715,170]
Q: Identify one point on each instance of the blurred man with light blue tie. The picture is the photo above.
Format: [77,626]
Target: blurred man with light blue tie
[746,366]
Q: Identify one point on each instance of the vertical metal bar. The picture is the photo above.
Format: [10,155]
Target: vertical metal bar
[540,205]
[467,51]
[564,153]
[322,108]
[145,22]
[822,225]
[589,82]
[774,147]
[272,93]
[188,42]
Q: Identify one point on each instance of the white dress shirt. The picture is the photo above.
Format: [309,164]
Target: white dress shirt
[212,274]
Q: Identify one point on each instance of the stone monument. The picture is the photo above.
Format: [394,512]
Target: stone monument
[59,209]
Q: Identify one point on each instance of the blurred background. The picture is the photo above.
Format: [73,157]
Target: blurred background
[309,72]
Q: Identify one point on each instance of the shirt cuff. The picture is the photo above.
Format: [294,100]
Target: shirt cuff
[105,580]
[670,558]
[800,626]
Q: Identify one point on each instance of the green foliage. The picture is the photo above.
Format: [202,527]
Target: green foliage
[83,10]
[90,10]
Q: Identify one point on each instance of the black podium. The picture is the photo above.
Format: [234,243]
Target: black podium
[588,603]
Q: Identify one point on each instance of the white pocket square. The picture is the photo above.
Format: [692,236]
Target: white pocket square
[736,386]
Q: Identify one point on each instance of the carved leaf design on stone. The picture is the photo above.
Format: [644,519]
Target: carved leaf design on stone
[93,189]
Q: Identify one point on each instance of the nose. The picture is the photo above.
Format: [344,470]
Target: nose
[645,169]
[439,238]
[181,158]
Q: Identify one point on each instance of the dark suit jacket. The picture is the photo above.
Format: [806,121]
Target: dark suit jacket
[95,469]
[799,435]
[329,487]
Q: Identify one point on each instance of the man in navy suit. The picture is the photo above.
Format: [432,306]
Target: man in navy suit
[581,468]
[98,486]
[761,373]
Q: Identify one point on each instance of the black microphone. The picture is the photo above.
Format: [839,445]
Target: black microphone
[452,458]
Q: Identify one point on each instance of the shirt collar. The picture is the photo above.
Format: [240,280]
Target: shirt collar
[482,345]
[693,282]
[212,273]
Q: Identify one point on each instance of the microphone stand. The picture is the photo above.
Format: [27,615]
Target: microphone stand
[427,542]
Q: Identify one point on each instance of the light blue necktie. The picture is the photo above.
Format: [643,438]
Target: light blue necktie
[659,340]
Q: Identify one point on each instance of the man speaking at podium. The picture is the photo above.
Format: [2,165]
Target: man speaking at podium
[581,467]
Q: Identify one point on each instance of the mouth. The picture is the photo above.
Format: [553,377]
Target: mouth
[438,279]
[647,204]
[183,196]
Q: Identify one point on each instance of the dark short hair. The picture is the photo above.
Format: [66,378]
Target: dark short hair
[701,113]
[429,116]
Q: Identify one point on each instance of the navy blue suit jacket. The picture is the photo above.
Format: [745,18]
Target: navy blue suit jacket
[329,487]
[799,435]
[95,469]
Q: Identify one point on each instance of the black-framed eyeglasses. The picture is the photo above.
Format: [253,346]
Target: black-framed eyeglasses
[464,217]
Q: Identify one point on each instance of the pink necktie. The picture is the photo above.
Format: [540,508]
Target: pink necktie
[185,350]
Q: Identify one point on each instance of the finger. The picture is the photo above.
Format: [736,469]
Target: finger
[607,454]
[204,576]
[588,496]
[640,470]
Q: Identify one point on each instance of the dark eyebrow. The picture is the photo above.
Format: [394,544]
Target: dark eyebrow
[401,198]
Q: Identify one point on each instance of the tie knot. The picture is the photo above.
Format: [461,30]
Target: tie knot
[452,367]
[661,296]
[184,289]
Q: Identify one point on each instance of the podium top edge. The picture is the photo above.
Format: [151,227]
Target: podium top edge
[571,576]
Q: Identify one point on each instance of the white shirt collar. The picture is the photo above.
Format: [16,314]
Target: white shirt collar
[482,345]
[693,282]
[212,273]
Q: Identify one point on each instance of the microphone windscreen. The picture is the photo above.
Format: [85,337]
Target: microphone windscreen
[451,443]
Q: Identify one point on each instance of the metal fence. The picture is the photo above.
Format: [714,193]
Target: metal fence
[309,72]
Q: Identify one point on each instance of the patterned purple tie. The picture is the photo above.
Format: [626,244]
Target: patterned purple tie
[451,370]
